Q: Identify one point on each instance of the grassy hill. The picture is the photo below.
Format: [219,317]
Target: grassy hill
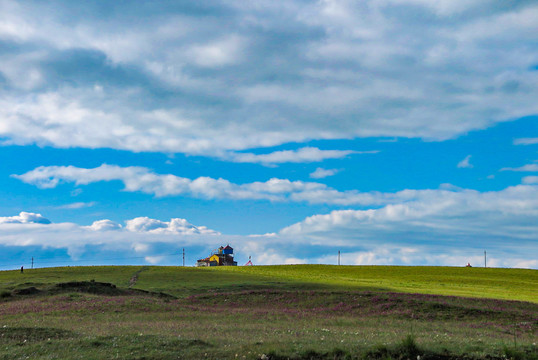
[268,312]
[494,283]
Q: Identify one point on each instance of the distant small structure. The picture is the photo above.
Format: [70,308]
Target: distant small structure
[249,263]
[223,256]
[468,265]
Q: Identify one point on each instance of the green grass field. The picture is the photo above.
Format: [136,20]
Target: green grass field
[297,312]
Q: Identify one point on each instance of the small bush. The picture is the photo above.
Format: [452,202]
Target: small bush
[513,353]
[5,294]
[378,352]
[336,354]
[409,347]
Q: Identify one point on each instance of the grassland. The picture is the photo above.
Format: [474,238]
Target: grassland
[300,312]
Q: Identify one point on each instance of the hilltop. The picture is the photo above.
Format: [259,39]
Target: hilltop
[494,283]
[298,312]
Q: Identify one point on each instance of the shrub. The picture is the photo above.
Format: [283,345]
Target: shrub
[409,347]
[513,353]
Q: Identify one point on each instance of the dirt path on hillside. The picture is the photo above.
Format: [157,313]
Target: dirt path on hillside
[134,278]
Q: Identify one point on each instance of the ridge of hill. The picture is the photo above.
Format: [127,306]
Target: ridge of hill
[269,312]
[493,283]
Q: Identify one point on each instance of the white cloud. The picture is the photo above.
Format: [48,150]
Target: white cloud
[140,235]
[145,224]
[104,225]
[457,218]
[445,7]
[465,163]
[526,141]
[236,85]
[303,155]
[15,69]
[174,226]
[77,205]
[81,241]
[446,229]
[321,173]
[528,167]
[141,248]
[219,53]
[530,180]
[25,218]
[141,179]
[395,255]
[154,259]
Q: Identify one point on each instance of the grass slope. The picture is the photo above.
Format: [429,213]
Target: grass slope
[509,284]
[268,312]
[512,284]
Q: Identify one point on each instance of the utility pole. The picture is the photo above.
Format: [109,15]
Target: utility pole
[338,257]
[485,263]
[183,256]
[32,262]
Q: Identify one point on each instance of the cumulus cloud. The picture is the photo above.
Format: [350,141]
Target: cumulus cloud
[456,218]
[104,225]
[141,179]
[240,77]
[465,163]
[444,228]
[143,224]
[141,235]
[439,228]
[321,173]
[174,226]
[394,255]
[25,218]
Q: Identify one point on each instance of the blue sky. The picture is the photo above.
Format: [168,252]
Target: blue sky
[398,132]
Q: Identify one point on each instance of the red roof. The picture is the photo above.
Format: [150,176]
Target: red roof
[228,247]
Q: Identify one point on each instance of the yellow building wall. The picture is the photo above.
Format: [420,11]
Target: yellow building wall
[214,258]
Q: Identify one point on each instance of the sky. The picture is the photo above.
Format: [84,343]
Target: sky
[398,132]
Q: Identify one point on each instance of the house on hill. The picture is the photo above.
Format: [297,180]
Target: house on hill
[223,256]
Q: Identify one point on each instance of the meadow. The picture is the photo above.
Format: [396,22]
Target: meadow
[268,312]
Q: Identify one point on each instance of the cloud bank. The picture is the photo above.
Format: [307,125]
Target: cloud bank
[175,226]
[419,233]
[139,179]
[208,79]
[456,218]
[428,227]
